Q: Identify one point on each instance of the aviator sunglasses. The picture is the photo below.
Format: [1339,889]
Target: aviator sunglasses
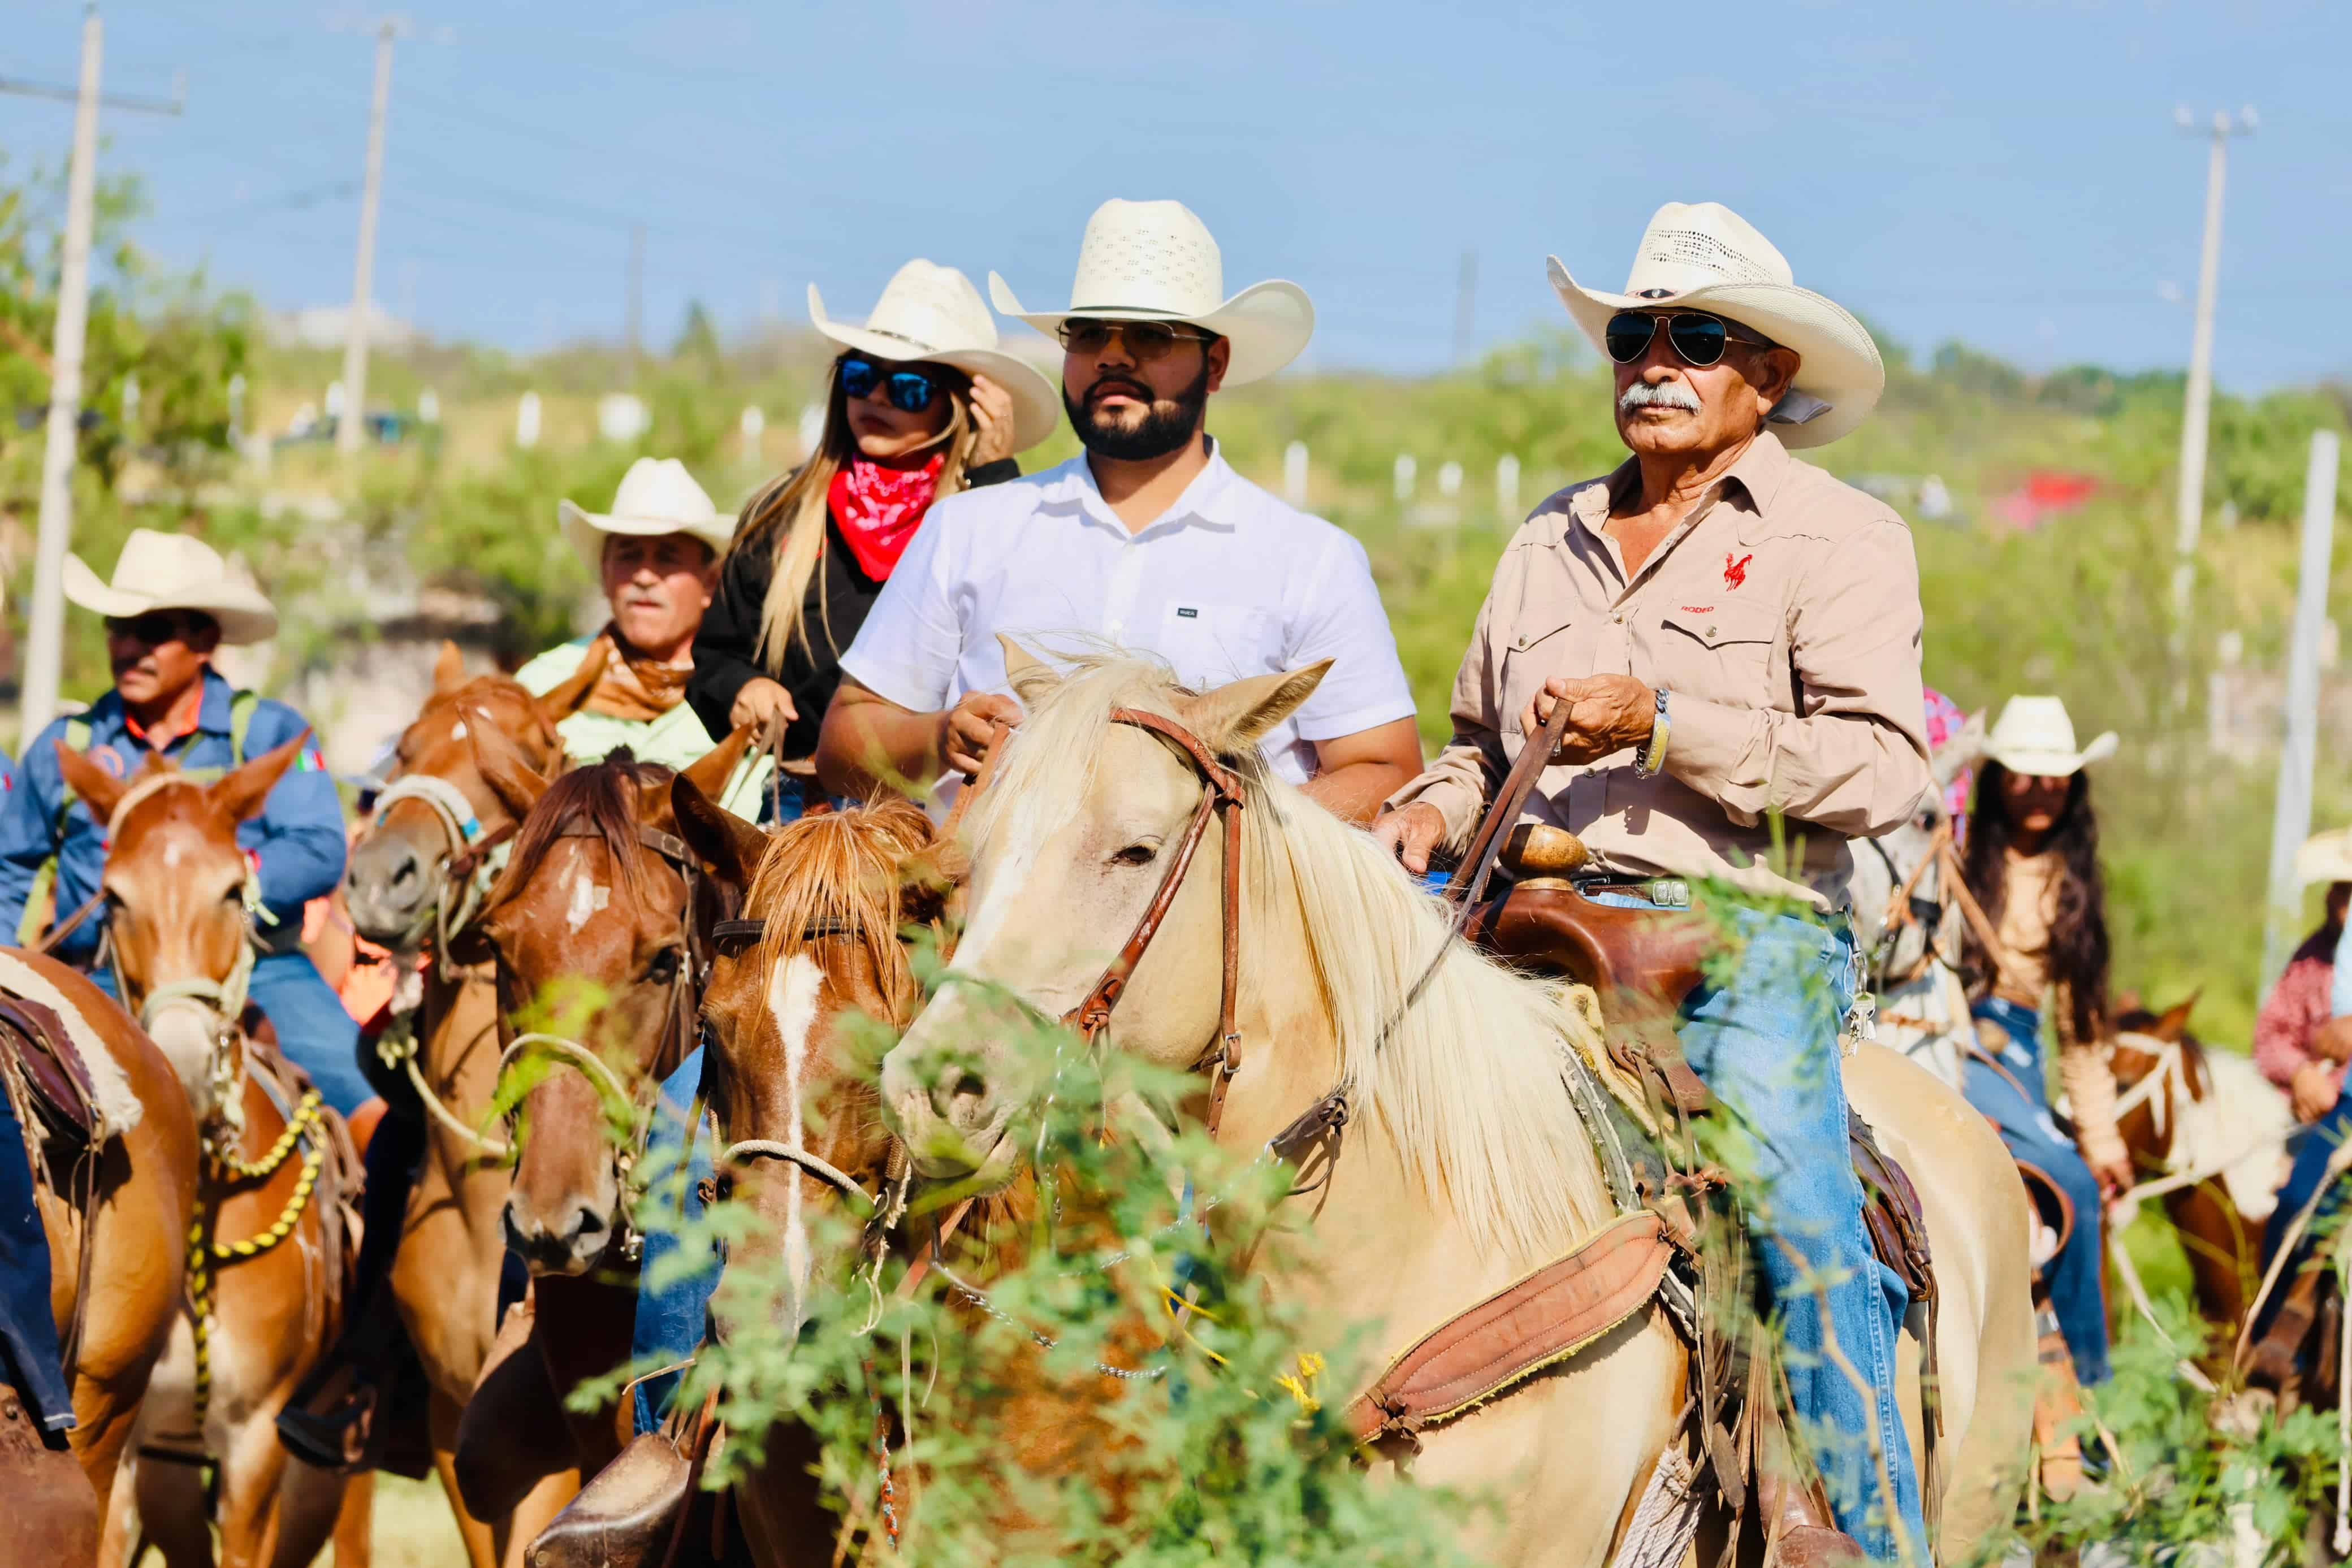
[1699,339]
[910,391]
[1144,339]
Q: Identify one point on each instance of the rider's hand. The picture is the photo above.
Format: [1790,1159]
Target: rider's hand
[758,698]
[2333,1041]
[2313,1091]
[1411,834]
[2115,1178]
[968,728]
[1606,714]
[992,415]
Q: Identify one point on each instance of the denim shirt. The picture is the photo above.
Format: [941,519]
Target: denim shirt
[296,841]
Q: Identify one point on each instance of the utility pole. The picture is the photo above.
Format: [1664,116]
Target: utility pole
[45,642]
[636,299]
[2190,516]
[2299,758]
[1465,294]
[350,428]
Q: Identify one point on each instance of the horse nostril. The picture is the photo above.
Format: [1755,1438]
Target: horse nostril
[592,1224]
[406,872]
[959,1098]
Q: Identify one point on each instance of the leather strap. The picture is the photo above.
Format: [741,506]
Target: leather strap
[1470,876]
[1544,1318]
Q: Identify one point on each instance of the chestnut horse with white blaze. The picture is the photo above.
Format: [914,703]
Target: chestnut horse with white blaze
[267,1256]
[600,923]
[416,878]
[1464,1163]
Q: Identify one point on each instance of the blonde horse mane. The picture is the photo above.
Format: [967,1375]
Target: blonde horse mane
[841,869]
[1469,1084]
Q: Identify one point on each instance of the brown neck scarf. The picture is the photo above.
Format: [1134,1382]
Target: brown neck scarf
[634,687]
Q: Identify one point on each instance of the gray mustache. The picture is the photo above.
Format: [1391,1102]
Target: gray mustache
[1665,394]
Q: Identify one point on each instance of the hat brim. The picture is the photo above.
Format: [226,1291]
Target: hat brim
[588,531]
[1037,401]
[1841,363]
[2324,857]
[1267,324]
[243,615]
[2044,763]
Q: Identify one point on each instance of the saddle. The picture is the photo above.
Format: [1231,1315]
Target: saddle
[1643,965]
[37,1052]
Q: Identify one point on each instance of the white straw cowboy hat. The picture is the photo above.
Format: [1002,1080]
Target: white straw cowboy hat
[174,572]
[1707,257]
[932,312]
[656,497]
[2324,857]
[1155,261]
[2035,734]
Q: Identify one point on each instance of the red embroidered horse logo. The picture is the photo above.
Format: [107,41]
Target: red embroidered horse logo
[1735,572]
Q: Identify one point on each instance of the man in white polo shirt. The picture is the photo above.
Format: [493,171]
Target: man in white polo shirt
[1148,539]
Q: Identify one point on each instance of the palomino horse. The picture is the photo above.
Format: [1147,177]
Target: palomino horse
[2208,1135]
[268,1254]
[1465,1163]
[416,878]
[117,1224]
[599,926]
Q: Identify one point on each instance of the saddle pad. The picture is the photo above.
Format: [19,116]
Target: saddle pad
[1517,1332]
[119,1109]
[52,1068]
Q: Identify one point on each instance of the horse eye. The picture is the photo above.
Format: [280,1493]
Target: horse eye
[1137,854]
[664,967]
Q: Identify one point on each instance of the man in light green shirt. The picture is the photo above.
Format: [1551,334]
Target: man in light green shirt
[657,553]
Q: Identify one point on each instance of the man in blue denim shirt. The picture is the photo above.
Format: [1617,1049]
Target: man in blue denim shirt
[171,605]
[1736,635]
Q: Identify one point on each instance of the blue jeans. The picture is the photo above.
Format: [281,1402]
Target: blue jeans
[1767,1045]
[314,1030]
[670,1316]
[2313,1145]
[2034,1137]
[30,1356]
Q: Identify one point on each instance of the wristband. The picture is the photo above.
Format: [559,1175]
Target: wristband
[1653,756]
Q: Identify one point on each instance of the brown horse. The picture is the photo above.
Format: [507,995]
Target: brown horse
[116,1245]
[2208,1136]
[598,927]
[268,1253]
[417,875]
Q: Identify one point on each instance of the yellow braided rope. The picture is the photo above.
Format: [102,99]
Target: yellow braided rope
[203,1252]
[304,1114]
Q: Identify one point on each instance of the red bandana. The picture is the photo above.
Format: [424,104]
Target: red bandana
[878,509]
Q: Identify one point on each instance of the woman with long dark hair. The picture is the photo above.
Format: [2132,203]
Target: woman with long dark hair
[2033,866]
[920,403]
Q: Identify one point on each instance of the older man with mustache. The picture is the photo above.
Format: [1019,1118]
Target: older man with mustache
[1736,637]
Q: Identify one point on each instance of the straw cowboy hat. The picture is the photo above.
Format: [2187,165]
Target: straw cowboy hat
[1154,261]
[2034,735]
[2324,857]
[932,312]
[1707,257]
[656,497]
[174,572]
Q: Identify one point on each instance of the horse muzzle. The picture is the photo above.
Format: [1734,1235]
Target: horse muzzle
[570,1246]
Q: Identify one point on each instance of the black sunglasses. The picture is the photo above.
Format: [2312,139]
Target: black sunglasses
[1699,339]
[910,391]
[156,628]
[1144,339]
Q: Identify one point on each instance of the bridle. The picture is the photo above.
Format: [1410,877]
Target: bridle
[469,866]
[1221,797]
[678,1031]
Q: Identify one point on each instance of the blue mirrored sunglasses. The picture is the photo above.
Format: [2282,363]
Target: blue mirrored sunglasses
[910,391]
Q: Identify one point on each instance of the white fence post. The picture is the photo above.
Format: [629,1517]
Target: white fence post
[1405,470]
[752,426]
[2291,823]
[527,421]
[1294,474]
[1507,488]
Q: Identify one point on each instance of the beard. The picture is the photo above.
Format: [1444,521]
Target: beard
[1167,423]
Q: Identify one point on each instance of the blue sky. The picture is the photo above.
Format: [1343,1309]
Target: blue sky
[2002,172]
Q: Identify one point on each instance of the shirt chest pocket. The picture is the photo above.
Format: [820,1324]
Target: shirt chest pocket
[1210,642]
[1722,653]
[1529,661]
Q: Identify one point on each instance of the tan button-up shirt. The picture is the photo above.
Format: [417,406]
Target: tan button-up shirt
[1782,620]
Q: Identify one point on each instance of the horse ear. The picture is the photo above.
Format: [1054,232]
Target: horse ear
[516,783]
[2174,1024]
[566,699]
[729,847]
[1234,718]
[711,771]
[241,794]
[1960,751]
[449,669]
[100,790]
[1029,676]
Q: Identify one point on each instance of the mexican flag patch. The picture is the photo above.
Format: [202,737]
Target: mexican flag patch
[311,760]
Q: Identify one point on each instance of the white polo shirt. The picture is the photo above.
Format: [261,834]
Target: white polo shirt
[1229,581]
